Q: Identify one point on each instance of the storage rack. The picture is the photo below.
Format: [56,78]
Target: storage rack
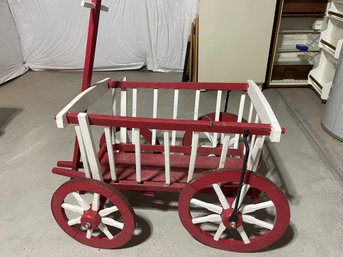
[331,40]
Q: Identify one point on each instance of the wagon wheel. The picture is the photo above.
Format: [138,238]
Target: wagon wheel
[145,135]
[259,224]
[83,217]
[187,137]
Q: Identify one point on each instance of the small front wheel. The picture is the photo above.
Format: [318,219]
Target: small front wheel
[207,204]
[93,213]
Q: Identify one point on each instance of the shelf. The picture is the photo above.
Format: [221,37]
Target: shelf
[288,82]
[304,7]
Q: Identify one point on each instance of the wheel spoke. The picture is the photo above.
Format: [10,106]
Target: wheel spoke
[219,232]
[222,199]
[244,190]
[208,218]
[105,230]
[254,207]
[74,221]
[83,203]
[252,220]
[73,208]
[209,206]
[89,233]
[96,202]
[243,235]
[107,211]
[112,222]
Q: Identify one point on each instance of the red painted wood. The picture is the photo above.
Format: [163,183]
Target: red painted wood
[179,85]
[261,238]
[176,161]
[176,149]
[91,44]
[172,124]
[68,172]
[120,237]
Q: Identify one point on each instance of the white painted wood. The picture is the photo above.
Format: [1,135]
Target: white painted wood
[255,207]
[105,230]
[82,152]
[243,234]
[217,115]
[136,140]
[208,218]
[112,223]
[196,104]
[239,119]
[195,141]
[114,111]
[75,221]
[223,154]
[134,102]
[221,197]
[154,115]
[110,153]
[228,45]
[123,112]
[82,202]
[73,208]
[107,211]
[89,5]
[82,101]
[244,190]
[219,231]
[209,206]
[89,233]
[96,202]
[252,146]
[175,111]
[257,157]
[167,156]
[251,111]
[264,111]
[89,144]
[252,220]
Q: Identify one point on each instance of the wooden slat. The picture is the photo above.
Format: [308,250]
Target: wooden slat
[89,144]
[137,142]
[154,115]
[123,112]
[195,141]
[175,111]
[239,119]
[196,104]
[167,156]
[109,147]
[83,152]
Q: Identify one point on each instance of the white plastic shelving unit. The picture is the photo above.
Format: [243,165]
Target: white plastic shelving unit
[330,43]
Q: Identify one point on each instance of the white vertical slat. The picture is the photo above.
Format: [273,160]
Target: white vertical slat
[89,144]
[224,152]
[175,109]
[110,153]
[217,115]
[195,141]
[239,118]
[167,156]
[136,140]
[154,115]
[123,112]
[82,152]
[196,104]
[134,102]
[256,157]
[114,111]
[252,145]
[251,111]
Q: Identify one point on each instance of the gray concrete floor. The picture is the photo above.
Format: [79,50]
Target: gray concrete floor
[307,165]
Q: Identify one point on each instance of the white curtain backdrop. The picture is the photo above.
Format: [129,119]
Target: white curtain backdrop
[132,34]
[11,59]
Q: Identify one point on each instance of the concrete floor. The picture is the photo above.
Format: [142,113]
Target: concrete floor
[307,165]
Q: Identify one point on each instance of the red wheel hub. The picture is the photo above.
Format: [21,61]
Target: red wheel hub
[90,219]
[226,218]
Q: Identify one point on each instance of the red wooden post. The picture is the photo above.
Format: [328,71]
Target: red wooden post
[89,62]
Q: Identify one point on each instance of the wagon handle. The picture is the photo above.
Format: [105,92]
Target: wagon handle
[234,216]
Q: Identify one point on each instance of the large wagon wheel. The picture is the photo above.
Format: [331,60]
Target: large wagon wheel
[205,209]
[85,217]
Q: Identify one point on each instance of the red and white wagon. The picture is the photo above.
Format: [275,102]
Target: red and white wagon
[211,160]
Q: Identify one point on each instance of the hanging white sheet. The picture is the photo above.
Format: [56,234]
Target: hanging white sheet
[11,59]
[132,34]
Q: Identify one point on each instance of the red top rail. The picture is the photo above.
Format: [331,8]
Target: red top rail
[179,85]
[172,124]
